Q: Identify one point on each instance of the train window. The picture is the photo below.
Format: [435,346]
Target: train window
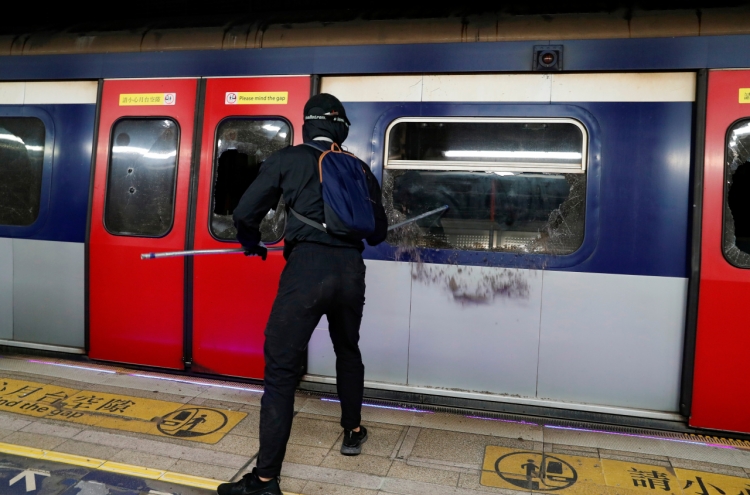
[512,185]
[242,144]
[142,177]
[737,196]
[21,164]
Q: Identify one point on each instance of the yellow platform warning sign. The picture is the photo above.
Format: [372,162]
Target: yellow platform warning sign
[119,412]
[525,470]
[147,99]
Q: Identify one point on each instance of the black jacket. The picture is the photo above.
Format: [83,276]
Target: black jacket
[293,173]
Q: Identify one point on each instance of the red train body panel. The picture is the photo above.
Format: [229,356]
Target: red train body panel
[721,400]
[233,294]
[147,329]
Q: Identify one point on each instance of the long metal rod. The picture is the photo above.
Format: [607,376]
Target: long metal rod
[198,252]
[418,217]
[174,254]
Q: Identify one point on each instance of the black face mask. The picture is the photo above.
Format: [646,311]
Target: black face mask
[335,131]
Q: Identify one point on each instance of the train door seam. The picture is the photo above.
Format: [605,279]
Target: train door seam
[408,339]
[192,205]
[539,342]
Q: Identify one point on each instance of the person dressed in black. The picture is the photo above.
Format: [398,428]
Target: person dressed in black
[324,275]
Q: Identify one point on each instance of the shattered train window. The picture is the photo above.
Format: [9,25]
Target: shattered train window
[21,163]
[510,186]
[242,145]
[142,177]
[737,196]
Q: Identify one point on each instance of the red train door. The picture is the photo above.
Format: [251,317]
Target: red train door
[720,398]
[140,198]
[245,120]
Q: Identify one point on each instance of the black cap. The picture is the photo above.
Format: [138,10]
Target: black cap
[325,107]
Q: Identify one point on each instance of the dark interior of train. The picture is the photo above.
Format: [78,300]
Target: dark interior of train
[21,153]
[739,204]
[241,147]
[521,201]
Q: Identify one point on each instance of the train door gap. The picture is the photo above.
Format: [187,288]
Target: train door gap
[94,144]
[691,320]
[187,341]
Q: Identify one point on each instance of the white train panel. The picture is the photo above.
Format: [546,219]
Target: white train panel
[539,88]
[475,328]
[384,335]
[48,292]
[612,339]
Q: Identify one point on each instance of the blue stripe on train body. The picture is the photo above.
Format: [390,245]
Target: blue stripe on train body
[638,192]
[66,174]
[681,53]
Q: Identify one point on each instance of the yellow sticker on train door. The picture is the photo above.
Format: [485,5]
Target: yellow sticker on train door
[744,95]
[147,99]
[256,98]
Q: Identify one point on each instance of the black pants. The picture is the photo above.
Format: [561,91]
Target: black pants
[317,280]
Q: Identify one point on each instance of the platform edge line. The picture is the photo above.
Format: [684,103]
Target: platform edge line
[75,460]
[140,471]
[102,465]
[190,480]
[9,448]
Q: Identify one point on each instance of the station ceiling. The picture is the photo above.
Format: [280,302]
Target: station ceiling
[135,14]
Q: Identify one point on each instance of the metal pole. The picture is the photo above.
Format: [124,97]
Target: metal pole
[418,217]
[173,254]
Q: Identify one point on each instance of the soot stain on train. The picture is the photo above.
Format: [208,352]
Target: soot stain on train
[474,285]
[560,234]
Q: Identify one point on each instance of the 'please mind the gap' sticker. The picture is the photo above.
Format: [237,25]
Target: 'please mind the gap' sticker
[256,98]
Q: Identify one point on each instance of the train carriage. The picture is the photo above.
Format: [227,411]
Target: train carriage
[590,263]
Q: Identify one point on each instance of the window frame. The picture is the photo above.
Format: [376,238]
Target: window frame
[439,166]
[109,169]
[383,114]
[28,111]
[468,166]
[725,192]
[215,168]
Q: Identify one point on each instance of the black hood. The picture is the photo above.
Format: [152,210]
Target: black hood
[325,116]
[335,131]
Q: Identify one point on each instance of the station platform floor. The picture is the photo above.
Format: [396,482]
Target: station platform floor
[75,428]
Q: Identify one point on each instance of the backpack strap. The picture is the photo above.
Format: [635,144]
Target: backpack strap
[335,148]
[299,216]
[305,220]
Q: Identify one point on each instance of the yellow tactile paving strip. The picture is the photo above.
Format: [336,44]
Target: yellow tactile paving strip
[118,412]
[545,472]
[114,467]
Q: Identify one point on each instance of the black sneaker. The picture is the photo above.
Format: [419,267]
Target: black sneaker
[353,440]
[250,484]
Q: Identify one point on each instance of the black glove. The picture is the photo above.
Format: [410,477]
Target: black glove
[257,250]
